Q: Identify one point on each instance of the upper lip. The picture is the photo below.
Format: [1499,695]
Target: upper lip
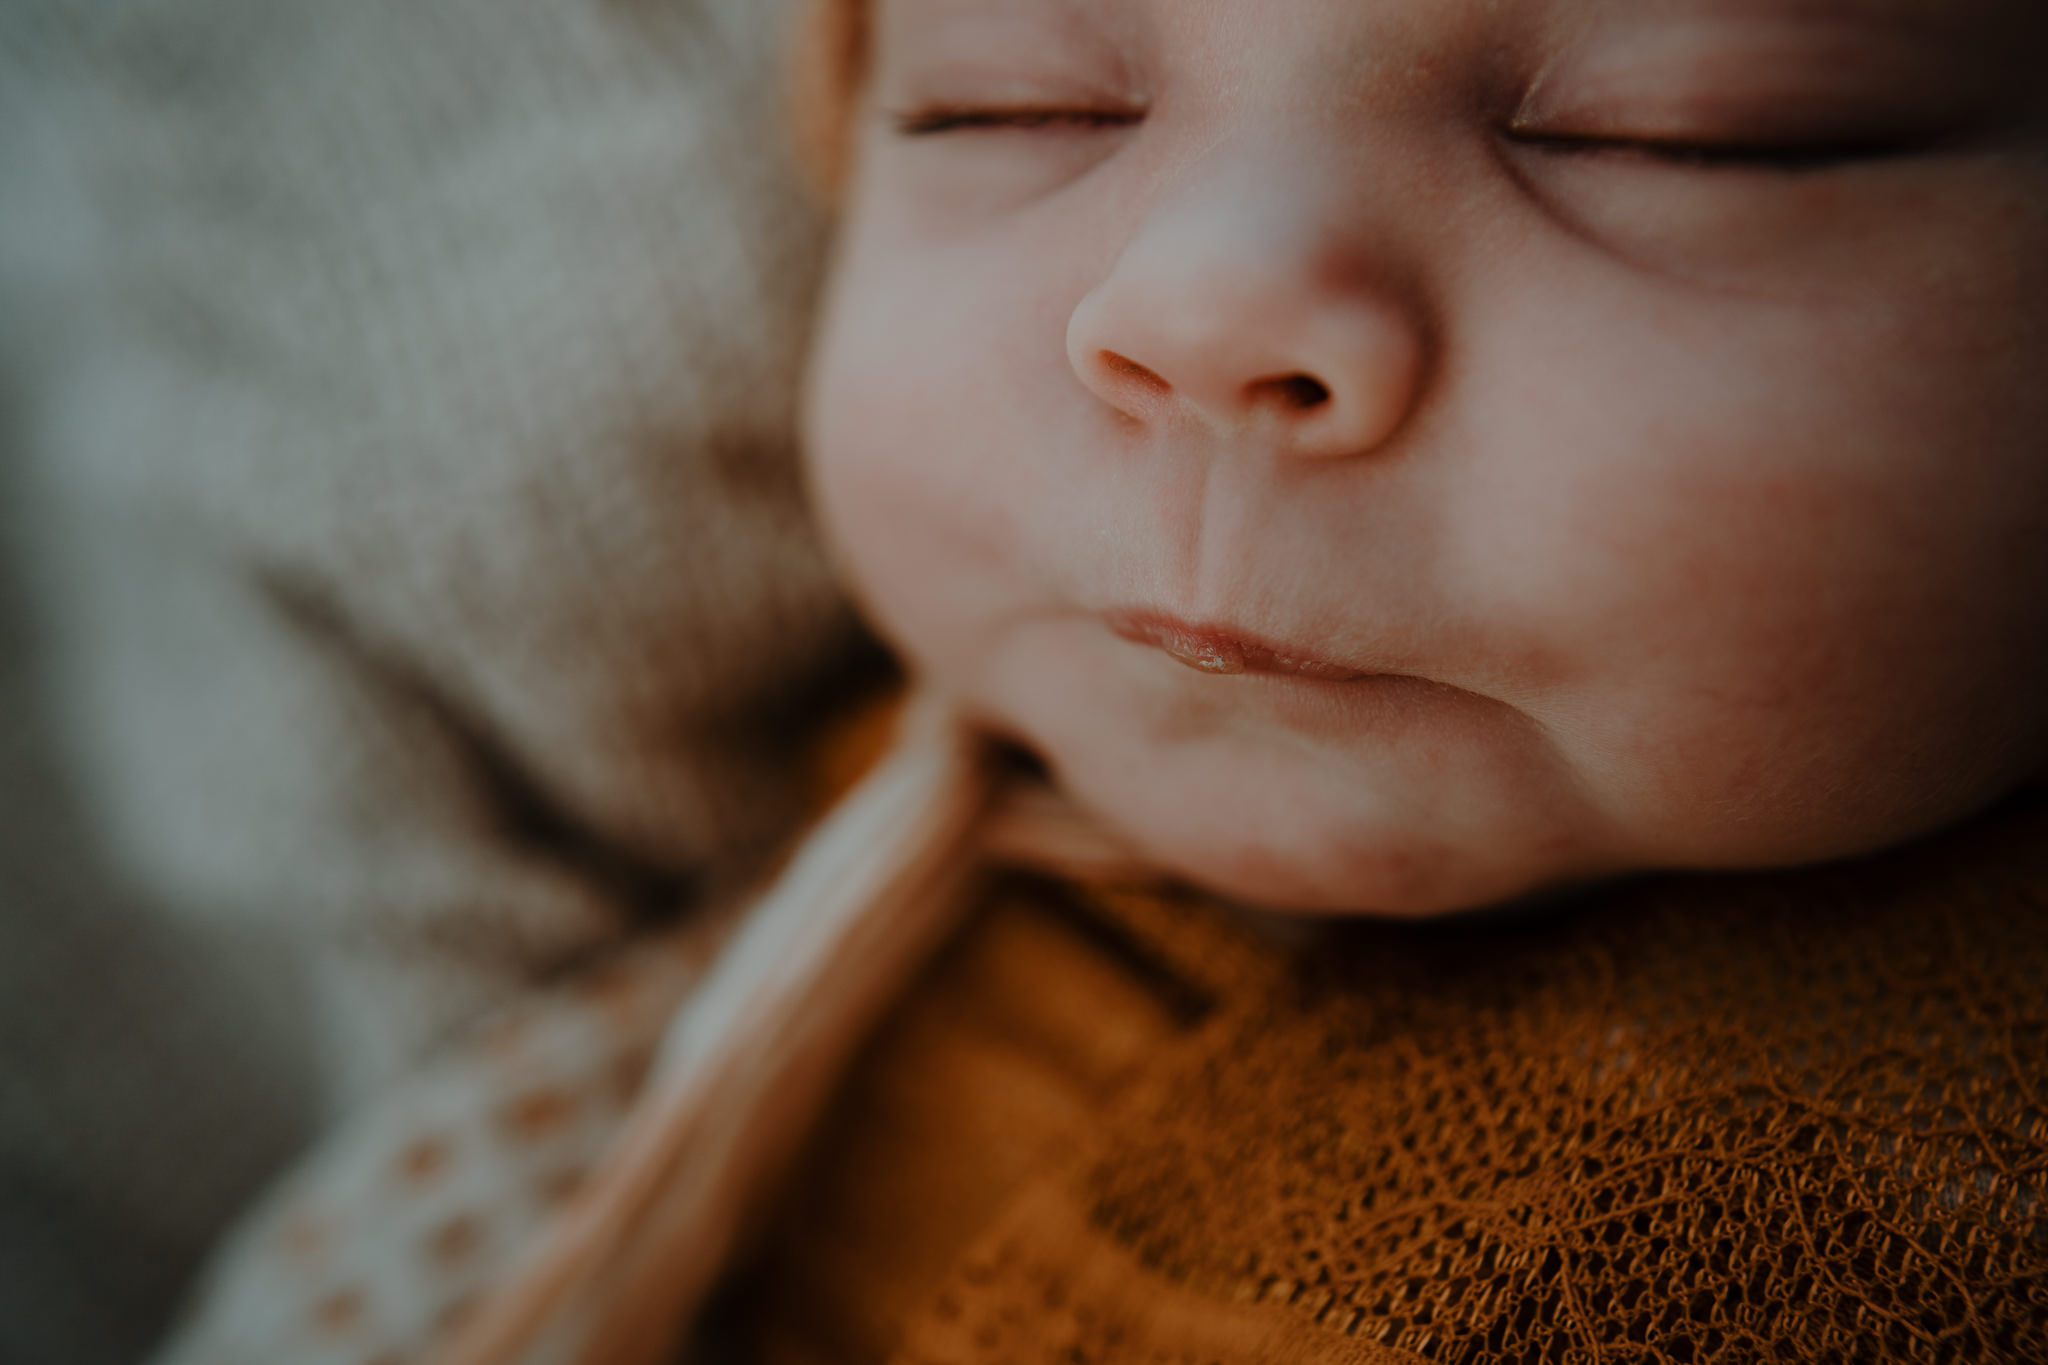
[1220,648]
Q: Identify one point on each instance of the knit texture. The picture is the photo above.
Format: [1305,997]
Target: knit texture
[1796,1117]
[410,482]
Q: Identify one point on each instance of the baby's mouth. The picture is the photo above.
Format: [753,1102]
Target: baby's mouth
[1221,649]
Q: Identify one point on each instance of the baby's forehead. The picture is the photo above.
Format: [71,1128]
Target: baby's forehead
[1968,56]
[2004,15]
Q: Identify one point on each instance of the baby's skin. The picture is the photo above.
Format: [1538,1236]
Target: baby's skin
[1400,455]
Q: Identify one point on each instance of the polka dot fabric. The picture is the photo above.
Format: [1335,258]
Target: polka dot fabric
[385,1238]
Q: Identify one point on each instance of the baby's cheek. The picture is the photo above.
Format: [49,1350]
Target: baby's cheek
[932,498]
[1779,595]
[1772,678]
[876,483]
[922,565]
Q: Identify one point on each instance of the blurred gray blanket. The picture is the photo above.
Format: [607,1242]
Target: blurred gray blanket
[399,490]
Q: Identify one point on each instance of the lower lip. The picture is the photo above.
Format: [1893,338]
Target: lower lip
[1209,650]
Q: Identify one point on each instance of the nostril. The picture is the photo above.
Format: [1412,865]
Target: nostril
[1124,368]
[1294,392]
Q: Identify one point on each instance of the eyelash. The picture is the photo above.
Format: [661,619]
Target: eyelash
[928,122]
[1791,157]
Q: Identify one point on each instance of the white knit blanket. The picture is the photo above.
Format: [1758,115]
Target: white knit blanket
[406,477]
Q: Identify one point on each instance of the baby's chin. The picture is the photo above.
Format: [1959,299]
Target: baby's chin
[1266,819]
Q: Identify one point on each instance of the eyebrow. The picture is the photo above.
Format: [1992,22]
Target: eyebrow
[973,6]
[1092,11]
[1932,17]
[2000,42]
[1109,19]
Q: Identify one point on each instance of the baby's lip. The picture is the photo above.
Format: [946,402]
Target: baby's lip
[1213,648]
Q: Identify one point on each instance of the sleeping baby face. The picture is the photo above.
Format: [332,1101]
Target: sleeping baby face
[1396,455]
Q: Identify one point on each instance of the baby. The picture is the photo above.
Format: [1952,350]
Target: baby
[1403,456]
[1390,457]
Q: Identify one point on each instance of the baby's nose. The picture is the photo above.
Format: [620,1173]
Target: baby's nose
[1248,293]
